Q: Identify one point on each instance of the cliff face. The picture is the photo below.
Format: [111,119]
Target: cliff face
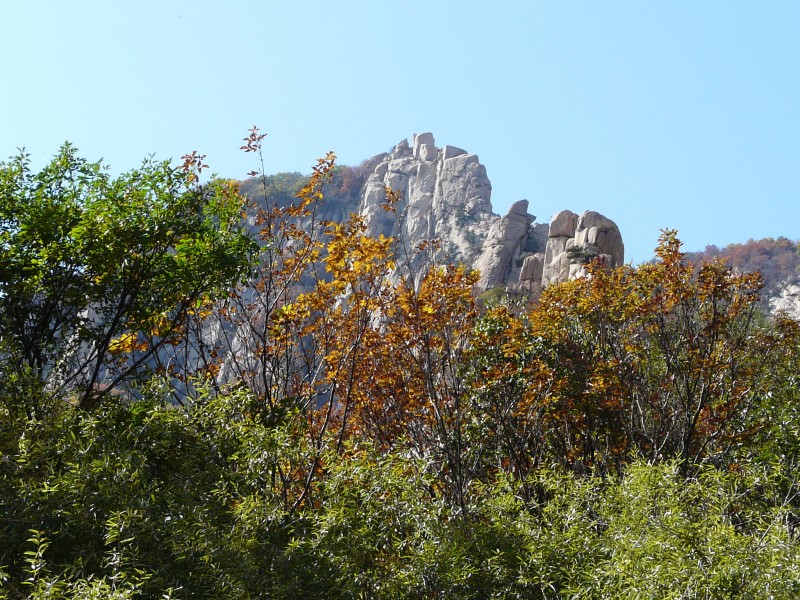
[446,194]
[786,300]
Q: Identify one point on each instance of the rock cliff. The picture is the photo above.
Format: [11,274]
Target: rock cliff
[786,300]
[446,195]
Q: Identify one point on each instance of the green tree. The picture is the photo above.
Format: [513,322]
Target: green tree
[98,273]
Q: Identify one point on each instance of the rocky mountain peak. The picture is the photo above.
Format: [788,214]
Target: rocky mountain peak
[446,194]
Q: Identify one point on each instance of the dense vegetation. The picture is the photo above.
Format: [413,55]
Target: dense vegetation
[342,190]
[191,412]
[776,259]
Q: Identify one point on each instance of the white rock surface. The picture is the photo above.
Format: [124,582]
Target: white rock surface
[563,224]
[425,147]
[446,195]
[503,243]
[787,301]
[530,276]
[591,234]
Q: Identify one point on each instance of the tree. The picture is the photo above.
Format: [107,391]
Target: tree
[659,361]
[410,388]
[508,380]
[353,427]
[97,273]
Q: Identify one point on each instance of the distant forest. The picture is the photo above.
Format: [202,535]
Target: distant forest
[777,259]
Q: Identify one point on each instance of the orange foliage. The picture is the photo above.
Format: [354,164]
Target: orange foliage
[337,338]
[660,360]
[776,259]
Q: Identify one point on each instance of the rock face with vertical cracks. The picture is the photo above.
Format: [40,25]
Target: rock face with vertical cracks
[574,240]
[445,194]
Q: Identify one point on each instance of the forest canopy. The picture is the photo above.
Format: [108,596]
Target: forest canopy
[219,391]
[776,259]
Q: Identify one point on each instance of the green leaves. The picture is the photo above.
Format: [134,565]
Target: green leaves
[140,498]
[85,259]
[376,436]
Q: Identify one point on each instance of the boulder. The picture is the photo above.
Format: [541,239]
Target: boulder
[563,224]
[424,147]
[452,151]
[505,238]
[530,276]
[600,235]
[556,261]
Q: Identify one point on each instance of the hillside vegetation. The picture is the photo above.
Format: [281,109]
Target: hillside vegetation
[777,259]
[193,409]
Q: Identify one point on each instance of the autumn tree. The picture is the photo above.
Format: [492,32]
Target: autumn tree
[291,333]
[776,259]
[407,389]
[509,380]
[337,333]
[661,359]
[666,360]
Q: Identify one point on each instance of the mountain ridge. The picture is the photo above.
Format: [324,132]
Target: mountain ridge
[445,193]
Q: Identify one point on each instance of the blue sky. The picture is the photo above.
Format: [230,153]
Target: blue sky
[679,114]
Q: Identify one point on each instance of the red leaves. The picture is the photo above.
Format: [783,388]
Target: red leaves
[193,165]
[252,143]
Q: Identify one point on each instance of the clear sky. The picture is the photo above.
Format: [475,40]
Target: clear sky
[681,114]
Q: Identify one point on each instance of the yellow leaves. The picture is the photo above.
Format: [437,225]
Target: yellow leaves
[392,200]
[126,343]
[354,256]
[351,347]
[650,356]
[294,312]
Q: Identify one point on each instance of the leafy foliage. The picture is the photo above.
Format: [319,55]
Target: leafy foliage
[659,361]
[776,259]
[324,423]
[97,274]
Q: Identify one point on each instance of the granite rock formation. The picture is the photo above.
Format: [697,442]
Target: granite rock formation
[786,301]
[446,195]
[534,256]
[511,241]
[573,240]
